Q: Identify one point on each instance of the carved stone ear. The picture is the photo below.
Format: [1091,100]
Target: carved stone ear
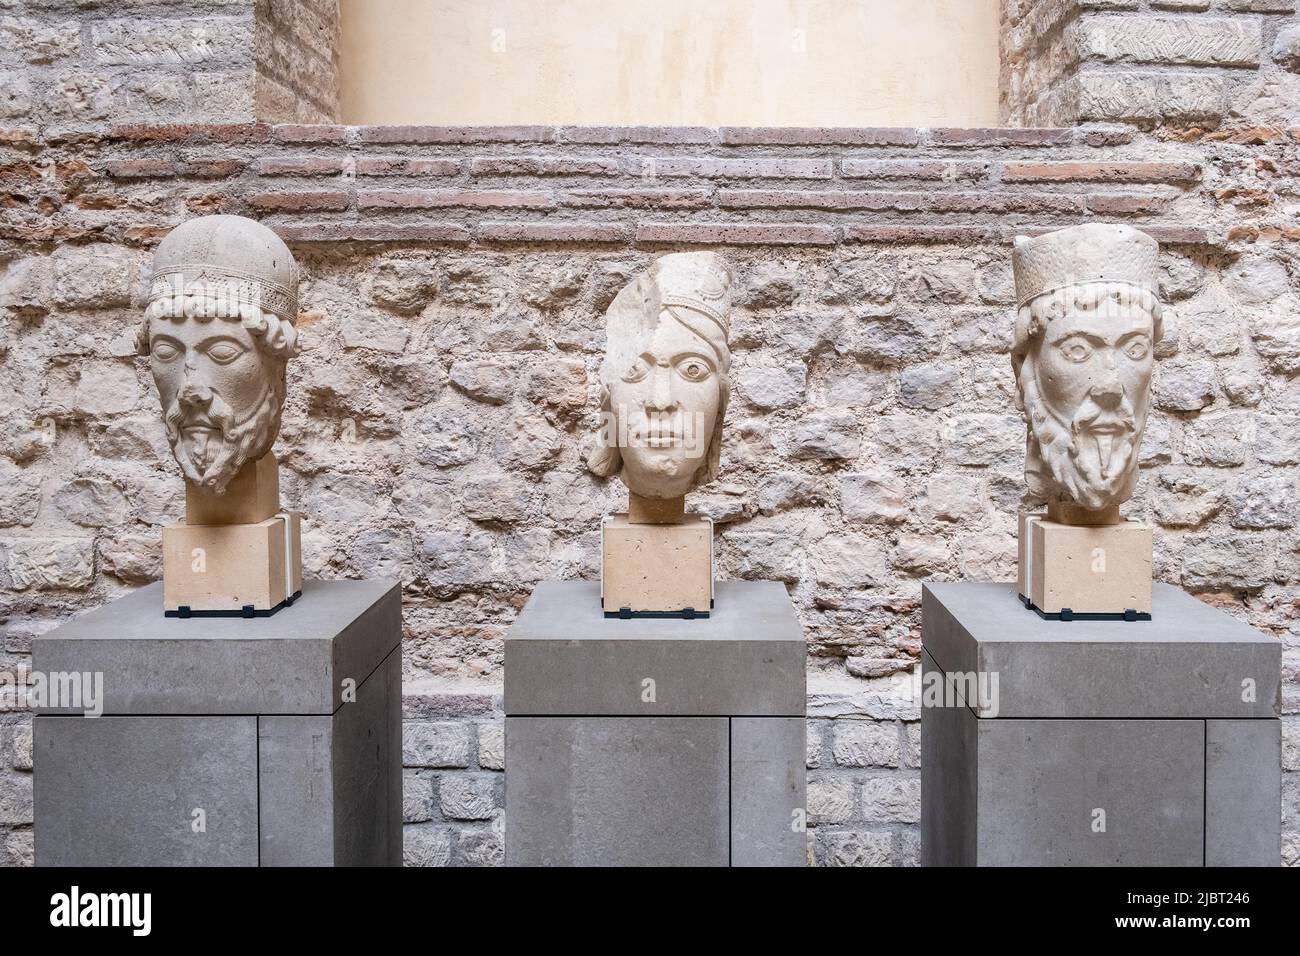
[1020,241]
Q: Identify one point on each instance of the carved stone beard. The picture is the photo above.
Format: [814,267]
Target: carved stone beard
[1064,462]
[212,460]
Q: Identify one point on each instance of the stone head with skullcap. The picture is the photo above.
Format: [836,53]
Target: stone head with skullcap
[218,330]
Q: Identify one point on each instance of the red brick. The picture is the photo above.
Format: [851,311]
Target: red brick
[817,136]
[141,168]
[212,168]
[402,166]
[299,166]
[1126,204]
[637,198]
[545,166]
[919,234]
[878,201]
[357,232]
[192,132]
[1115,172]
[709,167]
[320,201]
[1029,136]
[929,169]
[553,232]
[818,199]
[1002,202]
[299,133]
[439,198]
[600,135]
[457,134]
[1173,235]
[761,234]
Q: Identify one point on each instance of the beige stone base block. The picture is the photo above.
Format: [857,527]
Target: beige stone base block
[229,567]
[253,495]
[657,567]
[1090,570]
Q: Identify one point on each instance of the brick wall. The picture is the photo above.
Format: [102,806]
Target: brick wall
[89,61]
[1150,61]
[455,285]
[297,61]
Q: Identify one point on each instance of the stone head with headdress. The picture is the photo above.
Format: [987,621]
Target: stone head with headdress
[664,381]
[218,330]
[1088,320]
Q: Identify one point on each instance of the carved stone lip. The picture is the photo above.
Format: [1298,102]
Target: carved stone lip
[1107,428]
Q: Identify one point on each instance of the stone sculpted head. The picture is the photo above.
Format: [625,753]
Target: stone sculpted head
[218,330]
[664,384]
[1088,322]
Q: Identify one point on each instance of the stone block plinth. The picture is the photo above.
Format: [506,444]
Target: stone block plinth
[655,741]
[1096,743]
[226,741]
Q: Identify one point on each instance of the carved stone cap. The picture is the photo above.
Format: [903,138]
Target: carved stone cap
[233,256]
[1079,255]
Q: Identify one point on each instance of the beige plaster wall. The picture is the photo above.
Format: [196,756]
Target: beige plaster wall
[674,62]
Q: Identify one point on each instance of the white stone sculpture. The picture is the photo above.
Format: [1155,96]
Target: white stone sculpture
[664,380]
[1088,321]
[218,330]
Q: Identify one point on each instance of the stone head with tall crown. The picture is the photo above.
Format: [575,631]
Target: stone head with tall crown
[218,331]
[1088,321]
[664,381]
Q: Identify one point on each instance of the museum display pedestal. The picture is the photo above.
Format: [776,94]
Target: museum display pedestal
[1097,742]
[273,741]
[1070,570]
[656,568]
[655,741]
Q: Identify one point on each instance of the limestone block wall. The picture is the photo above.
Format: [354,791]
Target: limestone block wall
[1149,62]
[455,280]
[93,61]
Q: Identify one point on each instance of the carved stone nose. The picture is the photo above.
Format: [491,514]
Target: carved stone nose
[1107,394]
[195,395]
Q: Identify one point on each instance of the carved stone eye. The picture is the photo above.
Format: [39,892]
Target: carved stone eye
[637,372]
[1137,349]
[164,351]
[223,353]
[693,370]
[1076,351]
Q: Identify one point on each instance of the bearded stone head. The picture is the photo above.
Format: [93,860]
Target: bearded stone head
[218,330]
[1087,325]
[664,381]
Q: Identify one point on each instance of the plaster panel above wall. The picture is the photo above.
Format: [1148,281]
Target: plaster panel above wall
[672,62]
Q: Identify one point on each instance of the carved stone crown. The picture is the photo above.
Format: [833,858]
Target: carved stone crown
[695,280]
[1095,252]
[233,256]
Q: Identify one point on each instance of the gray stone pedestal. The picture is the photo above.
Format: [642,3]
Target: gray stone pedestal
[655,741]
[224,741]
[1102,742]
